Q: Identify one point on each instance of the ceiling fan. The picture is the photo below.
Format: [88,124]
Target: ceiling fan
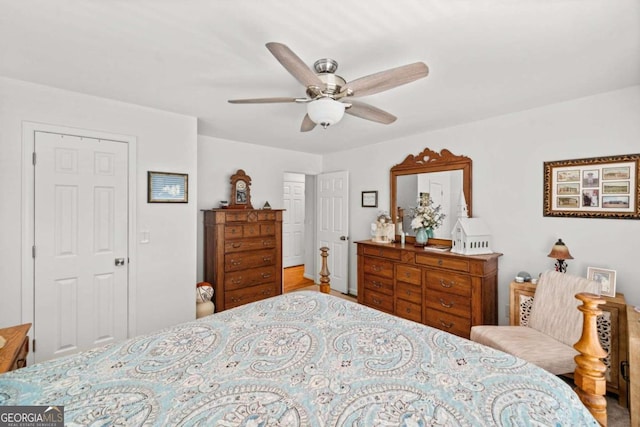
[328,94]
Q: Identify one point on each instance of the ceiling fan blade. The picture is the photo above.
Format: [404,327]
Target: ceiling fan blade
[369,112]
[307,124]
[294,65]
[263,100]
[385,80]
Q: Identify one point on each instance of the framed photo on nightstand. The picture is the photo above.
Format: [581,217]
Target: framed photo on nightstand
[606,278]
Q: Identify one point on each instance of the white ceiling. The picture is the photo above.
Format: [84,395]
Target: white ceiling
[486,57]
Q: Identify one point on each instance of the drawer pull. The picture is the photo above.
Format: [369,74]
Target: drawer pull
[408,310]
[446,285]
[266,259]
[408,292]
[439,262]
[233,231]
[267,243]
[376,268]
[376,284]
[236,245]
[377,301]
[446,325]
[444,304]
[407,274]
[266,275]
[266,292]
[237,281]
[236,262]
[235,299]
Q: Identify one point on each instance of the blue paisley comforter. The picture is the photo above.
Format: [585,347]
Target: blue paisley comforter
[300,359]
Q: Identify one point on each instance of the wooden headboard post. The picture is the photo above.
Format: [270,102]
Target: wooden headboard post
[325,287]
[591,384]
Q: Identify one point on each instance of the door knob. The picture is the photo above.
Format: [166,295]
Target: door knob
[119,262]
[344,238]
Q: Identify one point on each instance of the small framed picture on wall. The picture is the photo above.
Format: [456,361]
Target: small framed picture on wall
[167,187]
[369,199]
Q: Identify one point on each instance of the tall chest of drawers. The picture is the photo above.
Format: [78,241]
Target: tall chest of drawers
[447,291]
[242,255]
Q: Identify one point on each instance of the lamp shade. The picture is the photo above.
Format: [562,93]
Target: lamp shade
[325,111]
[560,251]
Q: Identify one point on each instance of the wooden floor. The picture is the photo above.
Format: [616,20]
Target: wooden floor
[294,280]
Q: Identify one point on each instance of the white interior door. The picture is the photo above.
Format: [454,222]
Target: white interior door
[333,226]
[293,220]
[80,243]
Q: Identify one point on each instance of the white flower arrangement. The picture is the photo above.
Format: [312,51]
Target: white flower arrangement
[425,215]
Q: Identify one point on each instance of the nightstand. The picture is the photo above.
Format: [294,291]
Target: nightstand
[612,330]
[633,319]
[14,353]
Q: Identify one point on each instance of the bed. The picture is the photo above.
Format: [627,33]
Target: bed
[300,359]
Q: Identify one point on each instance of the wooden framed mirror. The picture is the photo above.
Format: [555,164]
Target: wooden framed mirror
[444,175]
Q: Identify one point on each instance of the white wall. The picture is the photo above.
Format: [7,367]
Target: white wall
[218,159]
[165,279]
[508,154]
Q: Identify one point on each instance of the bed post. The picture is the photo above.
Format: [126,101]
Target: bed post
[589,378]
[325,287]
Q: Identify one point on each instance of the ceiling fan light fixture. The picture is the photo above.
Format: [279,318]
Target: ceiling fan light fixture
[325,111]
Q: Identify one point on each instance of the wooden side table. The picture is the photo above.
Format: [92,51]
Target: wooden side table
[14,353]
[612,330]
[633,321]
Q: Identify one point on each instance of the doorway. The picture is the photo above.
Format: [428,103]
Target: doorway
[326,223]
[293,220]
[298,231]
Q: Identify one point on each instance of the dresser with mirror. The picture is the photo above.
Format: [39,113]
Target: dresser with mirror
[442,289]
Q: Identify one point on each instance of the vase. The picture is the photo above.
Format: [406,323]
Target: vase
[429,233]
[423,235]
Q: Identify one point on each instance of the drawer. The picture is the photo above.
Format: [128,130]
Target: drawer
[409,292]
[378,301]
[378,267]
[243,260]
[449,303]
[247,295]
[382,252]
[248,244]
[448,322]
[409,274]
[383,285]
[267,229]
[409,310]
[247,278]
[233,231]
[251,230]
[458,284]
[266,216]
[433,260]
[235,216]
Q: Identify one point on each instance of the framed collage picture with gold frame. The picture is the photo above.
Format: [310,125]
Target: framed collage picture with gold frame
[598,187]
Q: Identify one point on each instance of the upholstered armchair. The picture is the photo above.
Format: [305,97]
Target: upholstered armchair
[555,325]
